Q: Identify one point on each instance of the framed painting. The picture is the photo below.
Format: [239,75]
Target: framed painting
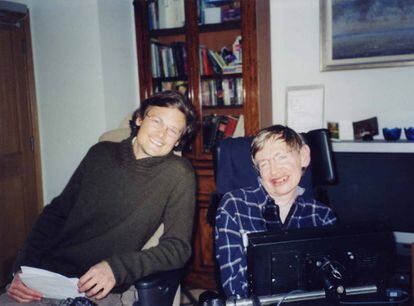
[357,34]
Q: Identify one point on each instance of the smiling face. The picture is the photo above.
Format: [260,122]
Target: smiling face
[280,168]
[160,130]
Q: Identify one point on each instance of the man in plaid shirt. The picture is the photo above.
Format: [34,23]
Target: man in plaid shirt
[280,156]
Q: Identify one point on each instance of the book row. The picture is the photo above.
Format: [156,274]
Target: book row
[225,92]
[224,62]
[222,92]
[171,60]
[219,127]
[168,60]
[165,14]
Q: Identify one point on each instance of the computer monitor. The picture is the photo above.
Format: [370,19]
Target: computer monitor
[327,258]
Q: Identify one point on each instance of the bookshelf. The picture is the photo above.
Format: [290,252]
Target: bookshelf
[229,91]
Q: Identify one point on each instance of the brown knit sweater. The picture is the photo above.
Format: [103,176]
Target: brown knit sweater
[111,206]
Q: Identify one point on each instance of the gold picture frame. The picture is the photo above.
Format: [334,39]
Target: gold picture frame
[366,34]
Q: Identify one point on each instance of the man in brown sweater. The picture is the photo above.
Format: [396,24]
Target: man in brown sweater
[113,203]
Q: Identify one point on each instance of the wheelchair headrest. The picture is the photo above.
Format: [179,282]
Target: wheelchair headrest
[234,168]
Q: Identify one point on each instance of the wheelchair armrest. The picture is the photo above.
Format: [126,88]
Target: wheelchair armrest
[158,288]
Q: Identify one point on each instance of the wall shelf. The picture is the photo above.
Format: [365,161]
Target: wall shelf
[375,146]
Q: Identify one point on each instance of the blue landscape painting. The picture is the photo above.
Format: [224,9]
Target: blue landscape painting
[370,28]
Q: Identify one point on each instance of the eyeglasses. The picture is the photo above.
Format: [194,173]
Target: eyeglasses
[278,158]
[158,124]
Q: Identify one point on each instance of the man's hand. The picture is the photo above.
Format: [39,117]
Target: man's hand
[98,281]
[20,293]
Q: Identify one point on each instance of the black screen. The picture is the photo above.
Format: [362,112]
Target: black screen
[283,261]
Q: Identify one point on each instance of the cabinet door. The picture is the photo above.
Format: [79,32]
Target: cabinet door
[162,47]
[220,49]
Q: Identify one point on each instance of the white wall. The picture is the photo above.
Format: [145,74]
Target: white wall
[349,94]
[119,59]
[85,80]
[86,77]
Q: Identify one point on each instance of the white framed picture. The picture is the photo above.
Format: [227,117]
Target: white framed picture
[305,107]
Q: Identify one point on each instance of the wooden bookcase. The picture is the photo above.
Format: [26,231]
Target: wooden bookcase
[254,28]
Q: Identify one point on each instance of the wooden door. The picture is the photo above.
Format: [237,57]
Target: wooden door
[20,188]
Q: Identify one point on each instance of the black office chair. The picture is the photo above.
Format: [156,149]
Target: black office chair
[158,288]
[233,169]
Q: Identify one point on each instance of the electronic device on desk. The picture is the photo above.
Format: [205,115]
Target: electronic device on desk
[332,263]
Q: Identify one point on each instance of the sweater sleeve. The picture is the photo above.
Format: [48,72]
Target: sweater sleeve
[45,231]
[174,248]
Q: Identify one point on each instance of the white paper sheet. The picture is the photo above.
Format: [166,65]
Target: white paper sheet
[346,130]
[51,285]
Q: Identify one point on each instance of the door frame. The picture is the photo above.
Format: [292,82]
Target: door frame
[19,15]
